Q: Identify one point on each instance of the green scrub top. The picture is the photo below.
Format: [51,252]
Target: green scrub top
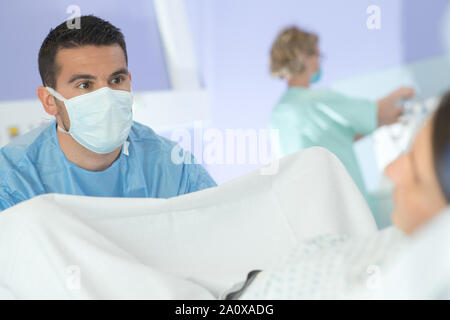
[322,117]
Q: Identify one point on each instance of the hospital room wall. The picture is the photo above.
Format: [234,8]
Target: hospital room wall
[233,40]
[24,24]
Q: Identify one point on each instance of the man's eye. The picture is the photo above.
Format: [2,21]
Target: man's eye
[84,85]
[117,80]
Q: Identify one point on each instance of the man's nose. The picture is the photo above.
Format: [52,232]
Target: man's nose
[102,84]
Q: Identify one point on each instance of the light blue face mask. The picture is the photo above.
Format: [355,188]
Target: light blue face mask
[100,120]
[315,77]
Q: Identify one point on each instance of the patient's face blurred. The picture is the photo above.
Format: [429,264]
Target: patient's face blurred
[417,194]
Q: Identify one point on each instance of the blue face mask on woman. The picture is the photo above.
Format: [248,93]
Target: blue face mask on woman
[100,120]
[315,77]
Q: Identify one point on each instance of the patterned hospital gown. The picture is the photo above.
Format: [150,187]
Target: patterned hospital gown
[329,267]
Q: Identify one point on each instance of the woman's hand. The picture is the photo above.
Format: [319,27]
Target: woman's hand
[388,109]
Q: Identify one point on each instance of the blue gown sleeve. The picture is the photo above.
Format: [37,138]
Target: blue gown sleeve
[198,177]
[5,201]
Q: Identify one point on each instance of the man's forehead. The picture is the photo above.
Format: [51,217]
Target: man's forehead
[90,59]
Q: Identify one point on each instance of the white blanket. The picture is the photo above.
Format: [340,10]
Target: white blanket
[189,247]
[422,269]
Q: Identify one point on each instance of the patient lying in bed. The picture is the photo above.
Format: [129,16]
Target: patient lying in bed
[383,266]
[303,226]
[388,264]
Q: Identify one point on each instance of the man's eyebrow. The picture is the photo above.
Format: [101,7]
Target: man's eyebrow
[80,76]
[76,77]
[120,71]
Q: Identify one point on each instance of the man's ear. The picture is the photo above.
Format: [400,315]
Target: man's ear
[129,75]
[47,100]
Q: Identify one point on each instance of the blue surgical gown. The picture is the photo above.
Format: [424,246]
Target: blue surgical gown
[321,117]
[34,164]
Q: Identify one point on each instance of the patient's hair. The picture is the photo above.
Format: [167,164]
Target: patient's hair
[441,144]
[286,53]
[92,31]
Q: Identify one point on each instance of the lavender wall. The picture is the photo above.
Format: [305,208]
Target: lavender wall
[233,39]
[24,25]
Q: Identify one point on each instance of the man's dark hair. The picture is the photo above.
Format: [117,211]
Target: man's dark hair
[92,31]
[441,144]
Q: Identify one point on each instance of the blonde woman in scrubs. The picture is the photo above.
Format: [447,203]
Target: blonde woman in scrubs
[321,117]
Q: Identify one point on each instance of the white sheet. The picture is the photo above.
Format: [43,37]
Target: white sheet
[190,247]
[422,270]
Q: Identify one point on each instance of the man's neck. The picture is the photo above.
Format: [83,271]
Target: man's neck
[83,157]
[302,81]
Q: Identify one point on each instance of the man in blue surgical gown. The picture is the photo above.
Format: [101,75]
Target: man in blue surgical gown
[93,147]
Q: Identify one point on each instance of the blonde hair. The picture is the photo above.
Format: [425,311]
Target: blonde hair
[287,51]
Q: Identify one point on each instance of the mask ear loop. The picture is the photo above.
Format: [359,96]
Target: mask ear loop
[59,97]
[56,94]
